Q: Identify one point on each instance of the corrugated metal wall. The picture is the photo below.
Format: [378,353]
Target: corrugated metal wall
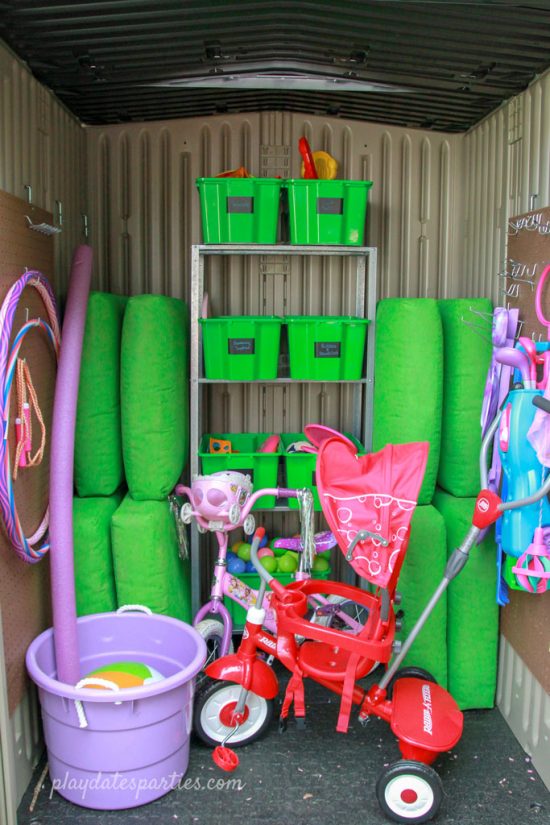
[506,172]
[43,146]
[145,209]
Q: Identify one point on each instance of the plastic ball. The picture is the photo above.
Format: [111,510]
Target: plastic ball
[265,551]
[277,551]
[243,551]
[236,566]
[231,555]
[269,563]
[320,565]
[126,675]
[249,567]
[287,563]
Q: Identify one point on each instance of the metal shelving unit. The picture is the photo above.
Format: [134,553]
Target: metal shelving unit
[365,306]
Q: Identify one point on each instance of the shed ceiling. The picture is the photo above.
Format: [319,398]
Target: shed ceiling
[458,61]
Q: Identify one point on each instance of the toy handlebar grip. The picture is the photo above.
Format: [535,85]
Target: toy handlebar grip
[542,403]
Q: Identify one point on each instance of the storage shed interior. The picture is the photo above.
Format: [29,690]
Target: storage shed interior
[110,111]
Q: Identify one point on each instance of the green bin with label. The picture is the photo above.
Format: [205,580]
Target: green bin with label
[241,348]
[239,210]
[326,348]
[327,211]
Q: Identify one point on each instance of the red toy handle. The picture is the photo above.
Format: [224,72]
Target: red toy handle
[307,155]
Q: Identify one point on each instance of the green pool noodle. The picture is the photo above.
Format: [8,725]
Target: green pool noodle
[472,620]
[408,387]
[147,563]
[467,355]
[422,571]
[93,560]
[98,467]
[154,395]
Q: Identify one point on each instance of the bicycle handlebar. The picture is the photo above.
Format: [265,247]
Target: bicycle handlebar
[542,403]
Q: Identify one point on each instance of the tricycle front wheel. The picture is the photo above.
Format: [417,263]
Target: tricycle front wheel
[215,702]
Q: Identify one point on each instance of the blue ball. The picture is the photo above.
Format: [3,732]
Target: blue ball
[235,566]
[231,555]
[249,568]
[263,542]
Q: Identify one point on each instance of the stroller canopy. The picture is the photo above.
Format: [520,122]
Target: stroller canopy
[375,492]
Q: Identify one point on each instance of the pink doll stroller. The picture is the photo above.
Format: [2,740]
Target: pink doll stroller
[220,502]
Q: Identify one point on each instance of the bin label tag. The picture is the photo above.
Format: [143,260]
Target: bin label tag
[241,346]
[330,206]
[240,205]
[327,349]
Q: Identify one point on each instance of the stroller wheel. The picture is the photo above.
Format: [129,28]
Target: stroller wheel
[409,791]
[249,525]
[409,673]
[214,702]
[234,514]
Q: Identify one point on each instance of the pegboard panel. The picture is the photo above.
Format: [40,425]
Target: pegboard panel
[24,588]
[528,254]
[525,621]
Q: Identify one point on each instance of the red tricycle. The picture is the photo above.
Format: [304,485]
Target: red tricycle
[368,502]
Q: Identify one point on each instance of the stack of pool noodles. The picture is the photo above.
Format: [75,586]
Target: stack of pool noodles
[430,368]
[132,431]
[155,444]
[472,632]
[408,397]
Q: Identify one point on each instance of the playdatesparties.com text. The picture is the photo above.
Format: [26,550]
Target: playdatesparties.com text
[118,782]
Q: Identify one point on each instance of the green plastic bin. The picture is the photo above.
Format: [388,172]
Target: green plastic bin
[300,467]
[252,580]
[326,348]
[327,211]
[261,467]
[239,210]
[241,348]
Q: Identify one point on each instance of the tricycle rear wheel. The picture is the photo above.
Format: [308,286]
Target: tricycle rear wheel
[409,791]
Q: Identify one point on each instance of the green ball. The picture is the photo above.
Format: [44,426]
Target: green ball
[270,563]
[279,551]
[324,555]
[287,563]
[320,565]
[243,551]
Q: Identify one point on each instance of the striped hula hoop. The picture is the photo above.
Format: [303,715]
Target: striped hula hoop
[23,545]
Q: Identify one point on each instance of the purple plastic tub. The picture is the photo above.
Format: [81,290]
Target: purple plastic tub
[135,747]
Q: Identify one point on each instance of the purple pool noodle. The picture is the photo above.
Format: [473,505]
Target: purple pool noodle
[61,469]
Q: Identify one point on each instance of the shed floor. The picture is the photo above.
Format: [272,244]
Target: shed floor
[322,777]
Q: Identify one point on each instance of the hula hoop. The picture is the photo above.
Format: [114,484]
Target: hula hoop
[22,545]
